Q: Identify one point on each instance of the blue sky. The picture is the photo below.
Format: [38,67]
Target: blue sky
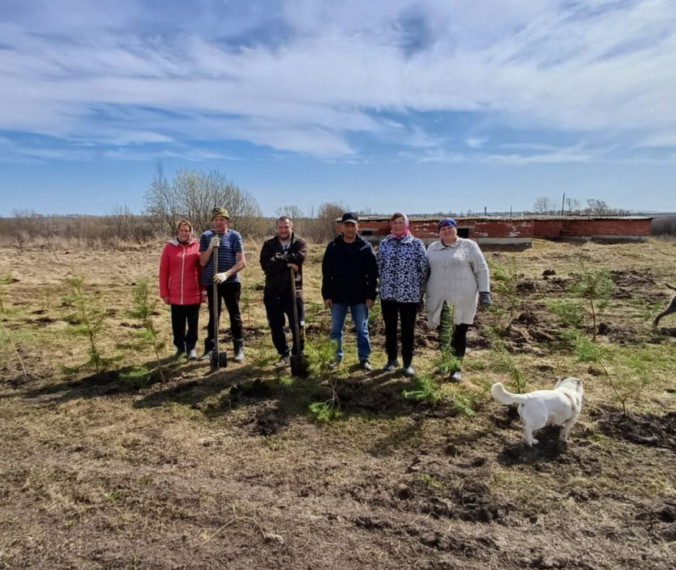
[379,105]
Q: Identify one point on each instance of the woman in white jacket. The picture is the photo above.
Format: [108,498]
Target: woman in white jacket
[458,271]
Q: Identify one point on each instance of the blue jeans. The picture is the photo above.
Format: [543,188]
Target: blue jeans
[360,318]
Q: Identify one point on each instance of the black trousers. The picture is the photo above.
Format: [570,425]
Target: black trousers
[394,311]
[278,310]
[455,337]
[182,316]
[229,293]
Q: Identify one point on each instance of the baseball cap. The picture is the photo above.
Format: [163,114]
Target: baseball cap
[349,217]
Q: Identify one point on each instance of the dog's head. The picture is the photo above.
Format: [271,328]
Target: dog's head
[570,384]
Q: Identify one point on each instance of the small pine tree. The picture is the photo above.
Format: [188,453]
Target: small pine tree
[143,307]
[87,318]
[596,286]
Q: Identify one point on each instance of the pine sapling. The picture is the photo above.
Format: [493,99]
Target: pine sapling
[596,286]
[143,308]
[87,318]
[4,281]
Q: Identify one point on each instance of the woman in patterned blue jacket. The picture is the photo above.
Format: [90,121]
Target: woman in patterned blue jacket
[403,269]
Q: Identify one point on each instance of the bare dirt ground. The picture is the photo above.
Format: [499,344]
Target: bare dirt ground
[231,470]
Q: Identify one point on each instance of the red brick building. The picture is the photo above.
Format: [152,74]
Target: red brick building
[518,232]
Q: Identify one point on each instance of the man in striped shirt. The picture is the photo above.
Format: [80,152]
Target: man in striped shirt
[231,261]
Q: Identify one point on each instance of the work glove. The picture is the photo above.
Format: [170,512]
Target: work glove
[279,256]
[484,299]
[221,277]
[215,242]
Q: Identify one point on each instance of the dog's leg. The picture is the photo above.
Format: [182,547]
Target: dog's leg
[528,435]
[565,429]
[671,308]
[568,425]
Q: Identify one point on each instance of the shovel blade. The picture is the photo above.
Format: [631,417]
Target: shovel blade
[300,366]
[219,360]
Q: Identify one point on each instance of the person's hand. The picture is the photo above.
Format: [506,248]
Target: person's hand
[215,242]
[369,303]
[166,300]
[221,277]
[485,299]
[328,303]
[293,266]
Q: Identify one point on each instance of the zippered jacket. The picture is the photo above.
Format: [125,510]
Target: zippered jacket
[402,269]
[274,261]
[349,271]
[180,273]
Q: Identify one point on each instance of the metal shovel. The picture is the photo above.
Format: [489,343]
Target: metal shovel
[218,359]
[300,365]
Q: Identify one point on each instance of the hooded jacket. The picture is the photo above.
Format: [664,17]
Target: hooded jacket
[180,273]
[349,271]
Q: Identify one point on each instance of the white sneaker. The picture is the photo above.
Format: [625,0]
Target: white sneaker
[408,371]
[192,355]
[239,357]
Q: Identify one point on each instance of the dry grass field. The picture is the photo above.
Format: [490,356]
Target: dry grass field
[247,467]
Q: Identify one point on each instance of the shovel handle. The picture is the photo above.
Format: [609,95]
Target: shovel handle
[214,307]
[296,327]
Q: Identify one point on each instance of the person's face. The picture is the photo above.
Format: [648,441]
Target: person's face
[220,224]
[350,230]
[184,233]
[397,225]
[284,229]
[448,234]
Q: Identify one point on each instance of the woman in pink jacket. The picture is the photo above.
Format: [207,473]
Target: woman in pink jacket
[180,287]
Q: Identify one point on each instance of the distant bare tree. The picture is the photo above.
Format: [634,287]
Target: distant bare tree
[293,212]
[664,225]
[193,194]
[573,205]
[544,205]
[28,226]
[323,227]
[122,222]
[597,207]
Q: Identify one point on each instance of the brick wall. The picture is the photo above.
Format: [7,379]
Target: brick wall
[603,228]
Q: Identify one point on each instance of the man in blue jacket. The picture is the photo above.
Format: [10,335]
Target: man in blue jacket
[349,281]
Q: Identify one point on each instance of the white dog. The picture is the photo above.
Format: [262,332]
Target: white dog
[560,406]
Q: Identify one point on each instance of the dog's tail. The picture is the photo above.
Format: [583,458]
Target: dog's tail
[504,397]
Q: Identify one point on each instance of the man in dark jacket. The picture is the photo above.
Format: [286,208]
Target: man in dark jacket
[282,260]
[349,281]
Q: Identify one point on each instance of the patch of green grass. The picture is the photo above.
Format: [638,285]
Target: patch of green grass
[138,376]
[113,496]
[431,481]
[584,348]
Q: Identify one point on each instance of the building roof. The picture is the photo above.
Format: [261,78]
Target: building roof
[485,218]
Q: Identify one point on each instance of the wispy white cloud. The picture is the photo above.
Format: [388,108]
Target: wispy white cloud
[327,79]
